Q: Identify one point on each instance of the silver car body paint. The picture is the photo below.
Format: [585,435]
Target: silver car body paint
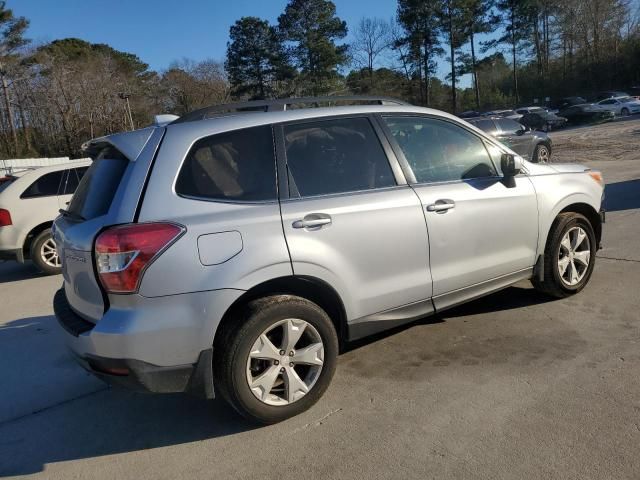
[388,258]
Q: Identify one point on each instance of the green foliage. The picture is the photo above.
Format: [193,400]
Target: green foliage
[311,28]
[256,60]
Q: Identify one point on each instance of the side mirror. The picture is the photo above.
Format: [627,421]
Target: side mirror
[510,165]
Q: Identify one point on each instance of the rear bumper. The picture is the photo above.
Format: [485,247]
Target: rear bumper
[12,254]
[158,345]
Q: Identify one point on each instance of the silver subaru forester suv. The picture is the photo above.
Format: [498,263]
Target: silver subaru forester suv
[236,249]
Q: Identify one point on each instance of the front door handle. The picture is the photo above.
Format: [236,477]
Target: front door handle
[441,206]
[313,220]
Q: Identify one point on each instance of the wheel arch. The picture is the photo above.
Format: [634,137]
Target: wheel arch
[310,288]
[590,213]
[33,233]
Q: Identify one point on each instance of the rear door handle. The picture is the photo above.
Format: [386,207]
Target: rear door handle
[313,220]
[441,206]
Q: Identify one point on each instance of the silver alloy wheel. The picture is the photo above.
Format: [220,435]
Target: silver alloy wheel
[49,253]
[285,362]
[543,154]
[574,256]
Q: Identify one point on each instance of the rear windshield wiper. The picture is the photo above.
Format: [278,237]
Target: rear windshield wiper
[72,215]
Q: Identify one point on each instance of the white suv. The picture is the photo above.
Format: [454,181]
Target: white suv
[29,202]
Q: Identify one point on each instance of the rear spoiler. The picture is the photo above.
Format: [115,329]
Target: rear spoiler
[130,144]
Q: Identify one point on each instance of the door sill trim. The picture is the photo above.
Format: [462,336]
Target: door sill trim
[462,295]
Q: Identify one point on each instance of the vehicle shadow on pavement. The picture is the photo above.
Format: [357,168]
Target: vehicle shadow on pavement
[12,271]
[111,421]
[510,298]
[622,195]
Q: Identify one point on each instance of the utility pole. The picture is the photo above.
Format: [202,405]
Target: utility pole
[125,96]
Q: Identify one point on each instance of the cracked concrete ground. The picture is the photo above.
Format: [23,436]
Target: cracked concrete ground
[512,386]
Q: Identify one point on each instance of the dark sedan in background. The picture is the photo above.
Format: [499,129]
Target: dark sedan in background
[542,120]
[587,113]
[532,145]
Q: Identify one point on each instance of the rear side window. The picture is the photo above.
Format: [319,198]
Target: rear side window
[98,186]
[233,166]
[336,156]
[73,179]
[46,186]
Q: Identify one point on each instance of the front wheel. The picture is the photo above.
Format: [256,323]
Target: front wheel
[624,112]
[44,254]
[542,153]
[569,256]
[277,360]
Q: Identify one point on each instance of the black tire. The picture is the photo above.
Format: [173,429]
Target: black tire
[624,112]
[234,342]
[542,153]
[37,254]
[553,284]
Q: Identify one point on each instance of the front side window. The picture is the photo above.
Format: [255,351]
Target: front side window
[440,151]
[335,156]
[233,166]
[46,186]
[486,125]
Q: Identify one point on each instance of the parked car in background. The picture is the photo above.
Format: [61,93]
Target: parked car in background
[29,202]
[586,113]
[525,110]
[565,102]
[234,254]
[610,94]
[469,114]
[543,121]
[620,106]
[503,114]
[531,145]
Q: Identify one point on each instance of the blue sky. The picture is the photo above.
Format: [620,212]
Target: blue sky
[161,31]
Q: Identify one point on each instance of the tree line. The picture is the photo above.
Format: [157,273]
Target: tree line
[58,95]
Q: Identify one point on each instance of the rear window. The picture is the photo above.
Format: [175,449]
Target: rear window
[46,186]
[232,166]
[73,179]
[98,186]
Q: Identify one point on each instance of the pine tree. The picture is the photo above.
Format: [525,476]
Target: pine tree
[312,28]
[255,58]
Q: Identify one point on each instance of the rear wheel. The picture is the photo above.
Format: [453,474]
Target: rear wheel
[44,254]
[569,256]
[278,360]
[542,153]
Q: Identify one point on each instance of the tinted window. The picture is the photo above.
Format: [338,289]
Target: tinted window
[440,151]
[73,179]
[45,186]
[508,126]
[238,165]
[336,156]
[607,102]
[5,182]
[485,125]
[98,186]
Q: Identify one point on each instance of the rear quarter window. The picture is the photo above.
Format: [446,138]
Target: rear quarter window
[46,186]
[232,166]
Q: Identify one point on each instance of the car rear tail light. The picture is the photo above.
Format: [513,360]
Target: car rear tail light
[123,253]
[5,218]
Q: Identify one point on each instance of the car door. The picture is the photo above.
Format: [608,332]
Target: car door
[483,231]
[515,136]
[351,221]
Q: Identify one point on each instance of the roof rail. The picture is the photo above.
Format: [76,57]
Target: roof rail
[280,105]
